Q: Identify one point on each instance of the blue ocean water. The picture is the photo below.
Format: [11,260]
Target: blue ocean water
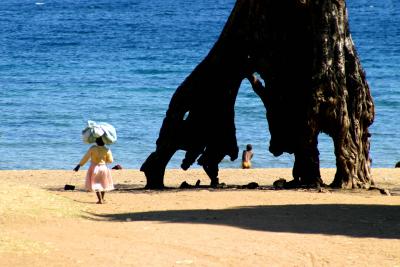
[65,62]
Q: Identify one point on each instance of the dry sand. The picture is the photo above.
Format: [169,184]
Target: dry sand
[43,225]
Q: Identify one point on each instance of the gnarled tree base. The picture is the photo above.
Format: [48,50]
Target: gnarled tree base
[314,83]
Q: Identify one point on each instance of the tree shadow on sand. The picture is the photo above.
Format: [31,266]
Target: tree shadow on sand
[370,221]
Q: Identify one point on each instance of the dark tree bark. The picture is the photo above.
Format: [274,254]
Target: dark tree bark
[314,83]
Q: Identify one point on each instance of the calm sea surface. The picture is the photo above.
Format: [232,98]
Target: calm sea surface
[65,62]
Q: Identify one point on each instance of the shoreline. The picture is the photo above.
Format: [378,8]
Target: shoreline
[388,178]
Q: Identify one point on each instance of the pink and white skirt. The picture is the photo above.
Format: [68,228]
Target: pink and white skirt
[98,178]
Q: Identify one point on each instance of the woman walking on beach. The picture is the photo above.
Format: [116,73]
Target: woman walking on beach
[98,177]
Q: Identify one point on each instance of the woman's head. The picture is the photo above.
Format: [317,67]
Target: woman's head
[249,147]
[99,141]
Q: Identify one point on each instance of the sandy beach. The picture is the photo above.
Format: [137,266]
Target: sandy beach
[43,225]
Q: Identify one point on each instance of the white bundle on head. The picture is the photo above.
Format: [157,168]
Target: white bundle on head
[95,130]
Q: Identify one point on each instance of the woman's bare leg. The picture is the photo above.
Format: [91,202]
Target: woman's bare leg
[99,197]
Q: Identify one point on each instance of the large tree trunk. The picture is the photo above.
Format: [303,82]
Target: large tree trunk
[314,83]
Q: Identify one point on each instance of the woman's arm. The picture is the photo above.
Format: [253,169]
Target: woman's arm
[86,157]
[109,157]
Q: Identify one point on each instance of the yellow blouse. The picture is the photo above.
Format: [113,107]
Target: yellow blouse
[98,155]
